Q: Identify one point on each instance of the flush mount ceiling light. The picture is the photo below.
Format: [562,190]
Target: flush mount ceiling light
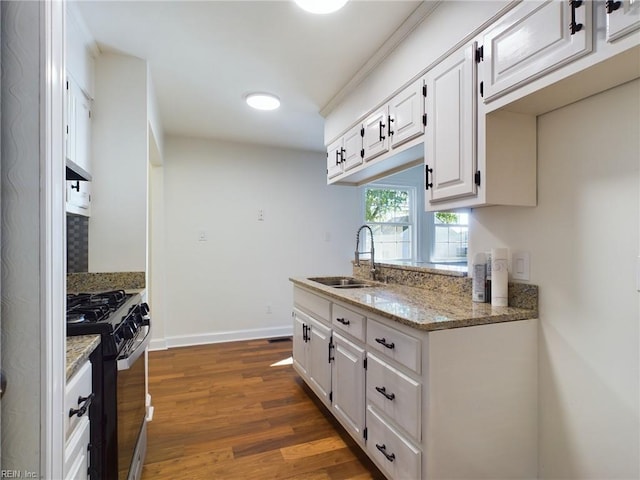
[263,101]
[321,6]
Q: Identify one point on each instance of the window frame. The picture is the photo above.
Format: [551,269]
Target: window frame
[413,216]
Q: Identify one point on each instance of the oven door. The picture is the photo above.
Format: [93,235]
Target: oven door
[131,395]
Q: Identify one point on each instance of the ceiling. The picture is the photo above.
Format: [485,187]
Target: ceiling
[205,56]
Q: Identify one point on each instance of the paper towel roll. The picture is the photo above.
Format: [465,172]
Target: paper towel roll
[499,277]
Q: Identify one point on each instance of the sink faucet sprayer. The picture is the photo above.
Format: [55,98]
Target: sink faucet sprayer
[357,252]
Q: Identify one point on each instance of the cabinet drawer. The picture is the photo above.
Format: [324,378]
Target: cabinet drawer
[395,394]
[399,346]
[78,387]
[76,454]
[348,321]
[397,456]
[312,304]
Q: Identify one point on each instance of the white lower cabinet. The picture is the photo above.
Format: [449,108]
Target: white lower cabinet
[453,403]
[311,350]
[398,457]
[395,394]
[348,384]
[78,397]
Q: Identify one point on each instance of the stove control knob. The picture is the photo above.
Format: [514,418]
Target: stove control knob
[128,331]
[144,308]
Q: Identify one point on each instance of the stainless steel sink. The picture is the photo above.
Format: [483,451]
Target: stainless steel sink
[341,282]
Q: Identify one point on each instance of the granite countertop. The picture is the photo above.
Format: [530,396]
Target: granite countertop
[419,308]
[78,350]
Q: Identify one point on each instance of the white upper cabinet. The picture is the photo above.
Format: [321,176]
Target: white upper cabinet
[335,153]
[406,112]
[532,40]
[376,138]
[623,17]
[345,153]
[78,129]
[450,147]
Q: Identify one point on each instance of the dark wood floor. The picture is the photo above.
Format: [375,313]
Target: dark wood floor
[223,412]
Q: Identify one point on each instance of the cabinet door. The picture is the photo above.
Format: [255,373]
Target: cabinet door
[450,144]
[300,322]
[78,132]
[405,114]
[348,384]
[353,148]
[78,197]
[334,158]
[375,134]
[70,139]
[535,38]
[318,366]
[623,17]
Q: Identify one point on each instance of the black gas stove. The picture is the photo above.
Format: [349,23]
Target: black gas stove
[118,414]
[115,315]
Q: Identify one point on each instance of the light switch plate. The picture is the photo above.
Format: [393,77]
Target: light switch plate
[520,266]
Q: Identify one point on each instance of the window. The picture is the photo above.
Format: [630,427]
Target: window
[390,213]
[394,209]
[451,237]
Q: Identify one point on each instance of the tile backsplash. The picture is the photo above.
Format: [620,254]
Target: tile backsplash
[77,243]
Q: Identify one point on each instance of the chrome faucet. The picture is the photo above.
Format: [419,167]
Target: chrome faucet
[357,252]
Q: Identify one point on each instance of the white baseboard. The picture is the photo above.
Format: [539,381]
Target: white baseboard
[220,337]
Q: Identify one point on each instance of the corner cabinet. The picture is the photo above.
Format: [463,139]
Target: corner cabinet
[78,398]
[417,402]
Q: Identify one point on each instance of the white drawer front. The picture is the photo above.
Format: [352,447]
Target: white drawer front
[78,387]
[348,321]
[395,394]
[312,304]
[402,348]
[397,456]
[76,454]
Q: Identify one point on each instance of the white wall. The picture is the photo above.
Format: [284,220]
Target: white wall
[583,239]
[219,289]
[118,224]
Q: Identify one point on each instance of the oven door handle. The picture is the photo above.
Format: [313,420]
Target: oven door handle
[129,360]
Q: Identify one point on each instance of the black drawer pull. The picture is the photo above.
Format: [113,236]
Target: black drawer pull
[383,449]
[383,391]
[343,321]
[383,341]
[86,403]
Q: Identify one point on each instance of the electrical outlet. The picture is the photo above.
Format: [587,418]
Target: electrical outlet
[269,309]
[261,215]
[202,236]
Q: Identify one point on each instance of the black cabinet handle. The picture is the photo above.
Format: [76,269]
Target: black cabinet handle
[337,157]
[383,449]
[343,321]
[86,403]
[575,27]
[383,391]
[427,183]
[380,128]
[342,155]
[390,121]
[76,187]
[612,6]
[305,335]
[383,341]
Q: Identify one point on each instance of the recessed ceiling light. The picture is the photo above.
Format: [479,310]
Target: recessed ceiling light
[321,6]
[263,101]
